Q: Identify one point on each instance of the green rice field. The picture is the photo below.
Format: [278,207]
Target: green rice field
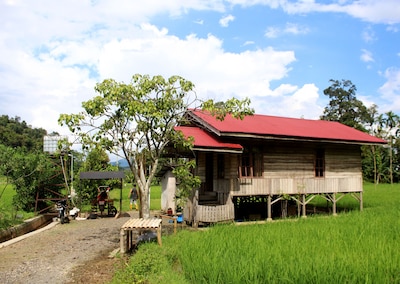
[353,247]
[9,215]
[155,197]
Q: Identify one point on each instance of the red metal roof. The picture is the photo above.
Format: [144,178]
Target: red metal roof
[204,139]
[265,125]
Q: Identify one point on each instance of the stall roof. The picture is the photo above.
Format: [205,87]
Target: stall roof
[102,175]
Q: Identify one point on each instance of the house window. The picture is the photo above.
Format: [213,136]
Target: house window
[220,166]
[251,165]
[320,163]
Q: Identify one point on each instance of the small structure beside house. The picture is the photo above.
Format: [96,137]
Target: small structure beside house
[251,169]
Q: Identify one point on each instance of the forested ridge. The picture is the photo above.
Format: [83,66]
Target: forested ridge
[15,132]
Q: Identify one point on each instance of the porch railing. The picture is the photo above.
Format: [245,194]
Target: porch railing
[278,186]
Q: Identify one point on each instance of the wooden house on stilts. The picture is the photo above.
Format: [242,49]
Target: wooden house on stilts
[271,160]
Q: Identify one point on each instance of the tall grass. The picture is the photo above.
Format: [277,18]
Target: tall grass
[353,247]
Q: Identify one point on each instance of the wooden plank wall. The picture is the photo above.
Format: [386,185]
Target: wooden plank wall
[343,162]
[288,162]
[201,166]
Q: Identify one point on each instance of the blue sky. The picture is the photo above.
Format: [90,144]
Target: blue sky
[279,53]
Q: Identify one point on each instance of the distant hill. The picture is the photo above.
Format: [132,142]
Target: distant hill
[122,163]
[15,133]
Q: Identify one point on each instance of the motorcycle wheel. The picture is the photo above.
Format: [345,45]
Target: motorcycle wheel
[114,211]
[62,219]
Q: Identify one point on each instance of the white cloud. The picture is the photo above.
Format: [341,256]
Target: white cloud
[54,53]
[224,22]
[373,11]
[303,103]
[367,100]
[249,42]
[392,28]
[289,28]
[284,90]
[368,35]
[272,32]
[201,60]
[391,89]
[290,101]
[296,29]
[366,56]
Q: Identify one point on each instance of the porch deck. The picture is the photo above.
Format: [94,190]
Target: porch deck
[302,191]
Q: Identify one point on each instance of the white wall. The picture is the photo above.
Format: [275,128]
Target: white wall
[168,188]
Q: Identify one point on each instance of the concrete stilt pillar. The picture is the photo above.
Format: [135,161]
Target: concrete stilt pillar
[334,204]
[303,203]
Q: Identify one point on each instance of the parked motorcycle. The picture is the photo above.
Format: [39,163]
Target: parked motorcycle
[62,211]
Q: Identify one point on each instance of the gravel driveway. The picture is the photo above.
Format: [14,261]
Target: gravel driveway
[70,253]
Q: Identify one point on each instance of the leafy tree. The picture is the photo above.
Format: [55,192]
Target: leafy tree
[392,123]
[96,160]
[136,121]
[396,157]
[344,107]
[28,171]
[370,153]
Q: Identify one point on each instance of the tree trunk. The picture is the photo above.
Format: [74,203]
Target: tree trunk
[145,204]
[375,165]
[144,183]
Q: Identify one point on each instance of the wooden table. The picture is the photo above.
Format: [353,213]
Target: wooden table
[138,224]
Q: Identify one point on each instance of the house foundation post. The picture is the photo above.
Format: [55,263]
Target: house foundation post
[303,203]
[361,201]
[269,212]
[334,204]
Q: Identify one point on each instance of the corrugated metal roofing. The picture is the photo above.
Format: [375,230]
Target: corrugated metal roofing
[204,139]
[265,125]
[102,175]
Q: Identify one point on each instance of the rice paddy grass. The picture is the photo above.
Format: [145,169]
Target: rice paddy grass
[353,247]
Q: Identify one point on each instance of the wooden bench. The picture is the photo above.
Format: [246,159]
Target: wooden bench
[138,224]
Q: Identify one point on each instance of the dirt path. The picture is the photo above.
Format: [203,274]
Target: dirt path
[77,252]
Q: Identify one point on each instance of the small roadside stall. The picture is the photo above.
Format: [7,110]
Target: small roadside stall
[104,202]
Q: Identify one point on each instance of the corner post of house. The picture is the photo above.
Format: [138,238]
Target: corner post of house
[361,201]
[303,203]
[269,212]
